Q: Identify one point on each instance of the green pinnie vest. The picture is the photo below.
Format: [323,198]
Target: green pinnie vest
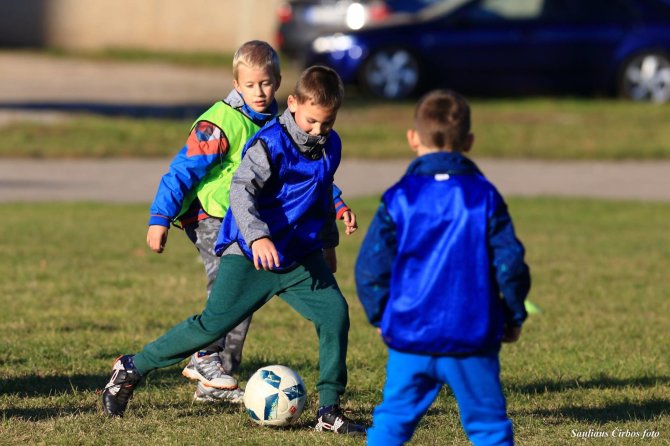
[213,190]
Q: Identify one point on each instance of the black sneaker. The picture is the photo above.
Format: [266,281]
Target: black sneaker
[332,418]
[120,387]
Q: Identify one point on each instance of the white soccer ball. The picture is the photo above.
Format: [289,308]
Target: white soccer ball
[275,396]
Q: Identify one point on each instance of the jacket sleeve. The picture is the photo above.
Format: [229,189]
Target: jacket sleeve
[245,187]
[206,144]
[340,206]
[511,272]
[374,265]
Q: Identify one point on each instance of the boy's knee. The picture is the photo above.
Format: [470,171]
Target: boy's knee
[338,317]
[209,325]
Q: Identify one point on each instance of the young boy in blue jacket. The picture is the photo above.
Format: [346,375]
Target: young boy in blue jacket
[194,195]
[437,257]
[270,244]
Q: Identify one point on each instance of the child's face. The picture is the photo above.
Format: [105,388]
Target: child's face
[257,86]
[312,119]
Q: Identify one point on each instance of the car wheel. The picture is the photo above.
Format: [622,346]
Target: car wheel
[391,74]
[646,77]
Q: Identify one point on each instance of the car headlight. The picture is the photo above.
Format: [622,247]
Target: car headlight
[356,16]
[333,43]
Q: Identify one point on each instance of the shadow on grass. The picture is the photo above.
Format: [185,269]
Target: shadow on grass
[617,412]
[41,386]
[45,413]
[59,386]
[603,382]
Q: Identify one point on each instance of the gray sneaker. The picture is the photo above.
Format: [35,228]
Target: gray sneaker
[204,394]
[207,369]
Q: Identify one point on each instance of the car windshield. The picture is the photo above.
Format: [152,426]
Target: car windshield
[440,8]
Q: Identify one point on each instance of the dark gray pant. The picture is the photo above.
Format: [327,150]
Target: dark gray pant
[203,234]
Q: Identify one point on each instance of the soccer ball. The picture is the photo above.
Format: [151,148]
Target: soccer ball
[275,396]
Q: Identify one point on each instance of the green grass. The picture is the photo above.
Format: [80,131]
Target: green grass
[506,128]
[188,59]
[79,287]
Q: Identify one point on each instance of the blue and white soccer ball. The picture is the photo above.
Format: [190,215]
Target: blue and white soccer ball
[275,396]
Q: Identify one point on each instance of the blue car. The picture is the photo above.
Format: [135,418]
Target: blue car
[510,47]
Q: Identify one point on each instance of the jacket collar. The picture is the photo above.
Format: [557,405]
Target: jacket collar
[453,163]
[309,145]
[236,101]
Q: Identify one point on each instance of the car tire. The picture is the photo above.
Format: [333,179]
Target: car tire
[393,73]
[646,77]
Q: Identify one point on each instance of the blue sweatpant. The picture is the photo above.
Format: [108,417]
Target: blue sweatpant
[414,381]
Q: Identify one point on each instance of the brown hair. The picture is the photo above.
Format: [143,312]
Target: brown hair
[321,86]
[259,55]
[442,120]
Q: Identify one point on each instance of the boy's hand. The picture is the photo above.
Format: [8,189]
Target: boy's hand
[157,237]
[265,254]
[331,259]
[512,334]
[350,224]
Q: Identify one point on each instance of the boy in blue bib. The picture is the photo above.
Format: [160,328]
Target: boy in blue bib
[270,244]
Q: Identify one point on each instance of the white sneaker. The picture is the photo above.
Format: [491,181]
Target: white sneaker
[204,394]
[208,369]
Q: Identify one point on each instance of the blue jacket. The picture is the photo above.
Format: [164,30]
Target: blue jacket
[438,255]
[206,148]
[295,202]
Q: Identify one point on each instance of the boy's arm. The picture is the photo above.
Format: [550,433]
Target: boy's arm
[205,145]
[374,263]
[247,183]
[340,206]
[343,212]
[511,272]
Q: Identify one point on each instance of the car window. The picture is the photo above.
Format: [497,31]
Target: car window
[591,10]
[503,10]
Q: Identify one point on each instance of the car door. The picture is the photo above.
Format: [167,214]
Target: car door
[483,46]
[574,42]
[525,46]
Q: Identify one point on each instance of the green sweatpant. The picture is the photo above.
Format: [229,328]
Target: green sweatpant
[238,291]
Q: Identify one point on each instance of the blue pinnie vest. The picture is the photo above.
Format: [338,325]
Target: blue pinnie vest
[444,297]
[296,200]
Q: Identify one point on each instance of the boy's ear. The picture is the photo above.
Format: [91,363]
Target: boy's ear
[413,140]
[278,83]
[292,103]
[236,85]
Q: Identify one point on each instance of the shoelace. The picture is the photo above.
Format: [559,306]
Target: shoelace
[210,367]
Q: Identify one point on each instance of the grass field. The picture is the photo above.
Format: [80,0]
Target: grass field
[80,287]
[506,128]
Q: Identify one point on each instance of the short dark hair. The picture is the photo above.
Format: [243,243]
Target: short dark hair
[320,85]
[442,120]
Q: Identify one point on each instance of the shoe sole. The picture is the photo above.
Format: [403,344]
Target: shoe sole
[211,400]
[195,376]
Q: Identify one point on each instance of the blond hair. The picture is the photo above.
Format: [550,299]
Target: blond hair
[321,86]
[258,55]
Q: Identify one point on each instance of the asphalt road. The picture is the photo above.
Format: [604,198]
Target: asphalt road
[136,180]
